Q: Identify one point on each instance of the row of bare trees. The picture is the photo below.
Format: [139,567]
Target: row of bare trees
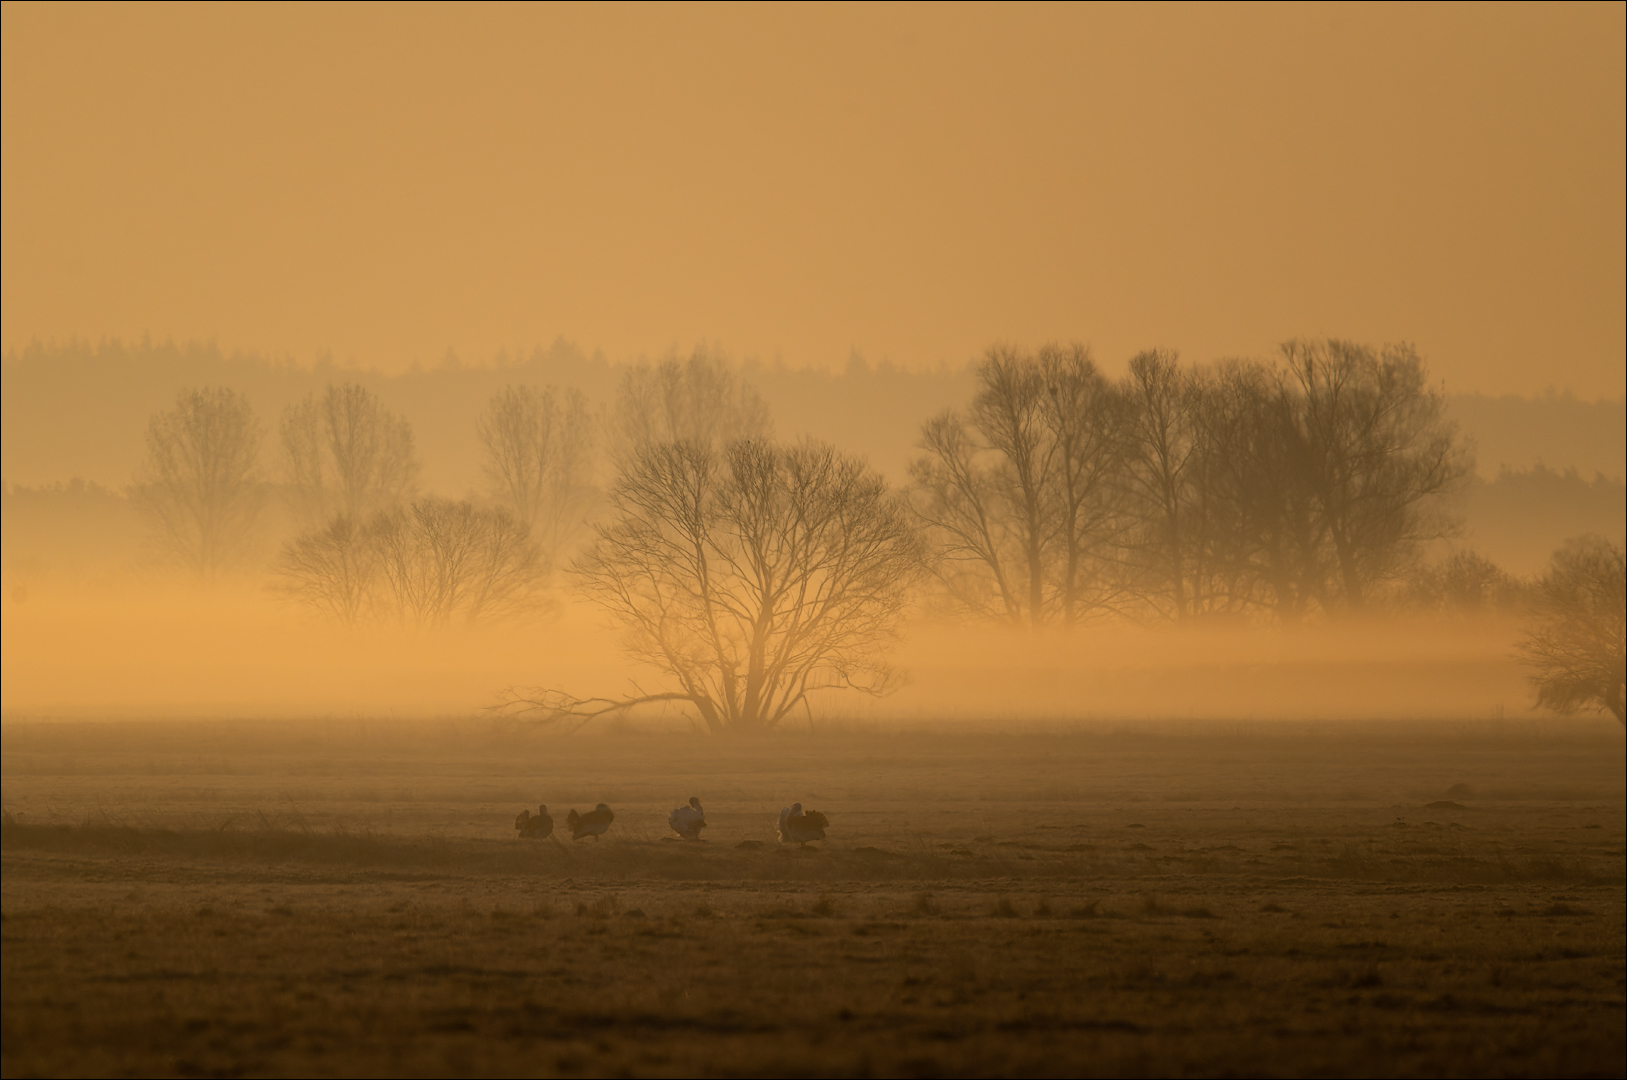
[1059,495]
[203,489]
[349,474]
[753,574]
[1056,496]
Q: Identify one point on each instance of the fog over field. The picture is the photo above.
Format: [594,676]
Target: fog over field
[107,621]
[763,540]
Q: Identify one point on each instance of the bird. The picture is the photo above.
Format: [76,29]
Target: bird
[538,827]
[593,823]
[797,827]
[688,821]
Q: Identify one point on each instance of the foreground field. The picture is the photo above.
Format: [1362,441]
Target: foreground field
[1305,900]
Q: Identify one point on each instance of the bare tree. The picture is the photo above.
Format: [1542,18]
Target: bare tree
[752,576]
[700,399]
[439,559]
[1310,485]
[1164,461]
[200,485]
[1577,643]
[427,564]
[1467,584]
[976,547]
[344,453]
[333,569]
[1009,414]
[1378,452]
[1018,491]
[538,449]
[1263,538]
[1186,492]
[1085,421]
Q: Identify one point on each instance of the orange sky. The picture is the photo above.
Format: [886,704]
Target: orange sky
[915,182]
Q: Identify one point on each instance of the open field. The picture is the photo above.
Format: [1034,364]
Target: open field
[1270,899]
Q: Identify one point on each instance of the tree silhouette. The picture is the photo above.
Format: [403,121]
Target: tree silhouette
[1466,583]
[1186,492]
[751,576]
[200,486]
[1165,459]
[426,564]
[1378,452]
[538,451]
[1577,642]
[700,399]
[344,453]
[1018,490]
[440,559]
[332,569]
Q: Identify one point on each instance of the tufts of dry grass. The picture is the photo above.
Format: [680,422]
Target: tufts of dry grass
[284,974]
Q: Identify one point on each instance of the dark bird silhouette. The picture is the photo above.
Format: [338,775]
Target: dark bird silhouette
[538,826]
[688,821]
[593,823]
[797,827]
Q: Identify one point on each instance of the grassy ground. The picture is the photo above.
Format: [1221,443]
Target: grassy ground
[345,900]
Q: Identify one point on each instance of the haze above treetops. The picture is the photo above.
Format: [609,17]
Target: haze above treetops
[390,182]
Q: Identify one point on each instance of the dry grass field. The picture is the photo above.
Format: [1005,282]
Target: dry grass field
[1228,899]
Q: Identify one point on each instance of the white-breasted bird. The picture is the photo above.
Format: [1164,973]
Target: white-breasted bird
[688,821]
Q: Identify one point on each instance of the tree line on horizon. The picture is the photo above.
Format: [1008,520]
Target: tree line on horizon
[755,572]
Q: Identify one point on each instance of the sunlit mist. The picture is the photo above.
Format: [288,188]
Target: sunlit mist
[783,540]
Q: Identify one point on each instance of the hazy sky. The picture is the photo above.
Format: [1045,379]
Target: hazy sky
[914,182]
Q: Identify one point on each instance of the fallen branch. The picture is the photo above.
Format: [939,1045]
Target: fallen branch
[567,710]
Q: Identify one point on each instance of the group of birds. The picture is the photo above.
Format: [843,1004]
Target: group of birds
[540,826]
[796,825]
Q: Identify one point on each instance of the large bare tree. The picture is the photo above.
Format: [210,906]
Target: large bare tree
[1378,452]
[200,485]
[538,451]
[1164,468]
[1263,541]
[344,453]
[1085,418]
[1018,490]
[751,576]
